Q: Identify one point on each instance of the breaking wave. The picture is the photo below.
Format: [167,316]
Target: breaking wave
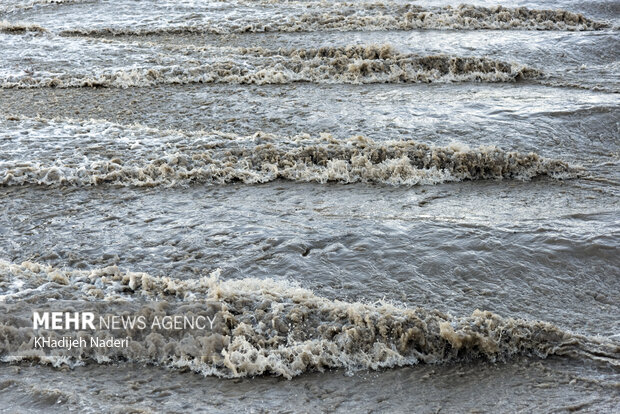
[19,28]
[270,327]
[351,64]
[147,157]
[11,6]
[376,17]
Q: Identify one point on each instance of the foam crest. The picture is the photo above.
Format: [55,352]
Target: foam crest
[316,17]
[336,65]
[273,327]
[11,6]
[19,28]
[145,157]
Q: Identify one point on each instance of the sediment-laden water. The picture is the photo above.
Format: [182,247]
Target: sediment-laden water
[380,206]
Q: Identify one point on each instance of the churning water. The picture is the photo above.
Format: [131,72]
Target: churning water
[389,206]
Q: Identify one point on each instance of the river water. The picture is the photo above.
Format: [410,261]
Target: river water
[397,207]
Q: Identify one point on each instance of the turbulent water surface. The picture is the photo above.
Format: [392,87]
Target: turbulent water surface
[384,206]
